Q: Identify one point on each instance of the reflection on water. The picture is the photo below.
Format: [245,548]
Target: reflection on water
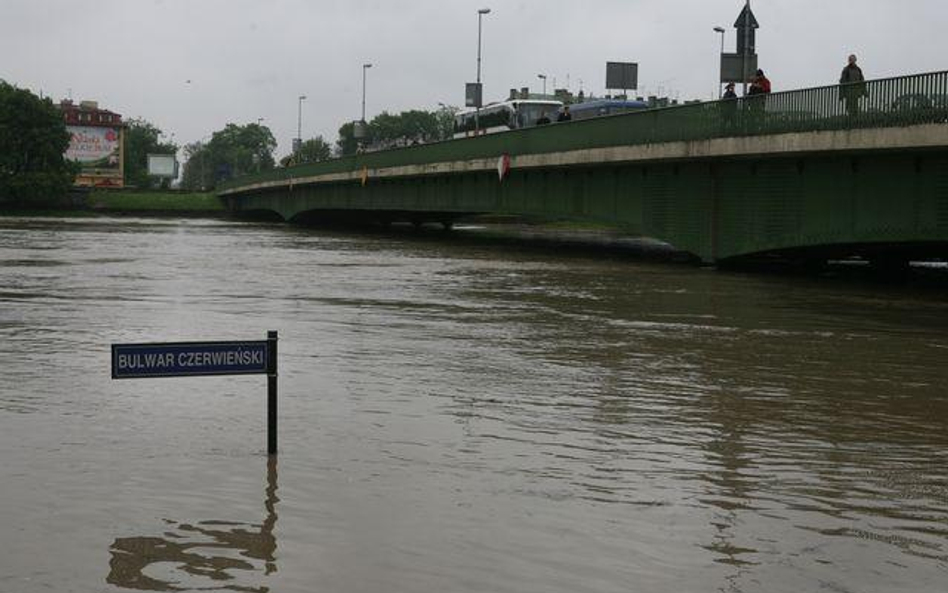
[186,553]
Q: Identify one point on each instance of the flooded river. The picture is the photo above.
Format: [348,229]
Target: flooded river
[461,416]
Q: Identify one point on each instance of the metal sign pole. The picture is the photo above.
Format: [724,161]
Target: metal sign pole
[204,359]
[744,72]
[272,375]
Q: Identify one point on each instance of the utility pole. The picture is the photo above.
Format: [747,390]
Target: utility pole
[477,113]
[365,68]
[722,32]
[299,124]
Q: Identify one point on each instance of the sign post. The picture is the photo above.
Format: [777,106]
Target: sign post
[272,393]
[622,75]
[747,26]
[204,359]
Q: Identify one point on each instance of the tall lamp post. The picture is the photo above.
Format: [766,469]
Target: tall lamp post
[722,31]
[365,68]
[543,78]
[299,124]
[477,114]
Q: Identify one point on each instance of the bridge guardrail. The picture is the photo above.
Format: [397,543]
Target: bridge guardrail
[890,102]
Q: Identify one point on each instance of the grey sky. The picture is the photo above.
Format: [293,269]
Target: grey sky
[250,59]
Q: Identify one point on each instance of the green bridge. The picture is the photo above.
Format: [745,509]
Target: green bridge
[803,174]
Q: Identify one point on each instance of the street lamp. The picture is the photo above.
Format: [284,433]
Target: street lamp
[722,31]
[365,68]
[543,78]
[477,114]
[299,120]
[203,149]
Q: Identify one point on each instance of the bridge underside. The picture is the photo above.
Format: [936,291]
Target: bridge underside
[718,209]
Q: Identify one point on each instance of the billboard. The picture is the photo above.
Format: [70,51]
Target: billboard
[622,75]
[162,165]
[96,149]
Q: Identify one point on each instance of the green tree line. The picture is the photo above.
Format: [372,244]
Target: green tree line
[33,140]
[241,149]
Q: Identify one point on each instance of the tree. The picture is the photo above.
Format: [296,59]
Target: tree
[445,117]
[234,151]
[312,151]
[142,139]
[196,176]
[347,144]
[33,139]
[389,130]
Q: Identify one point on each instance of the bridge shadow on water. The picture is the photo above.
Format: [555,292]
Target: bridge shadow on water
[202,556]
[888,266]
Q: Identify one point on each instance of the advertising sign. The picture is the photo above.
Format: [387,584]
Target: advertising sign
[95,147]
[162,165]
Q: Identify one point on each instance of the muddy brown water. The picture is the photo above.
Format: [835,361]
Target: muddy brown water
[461,416]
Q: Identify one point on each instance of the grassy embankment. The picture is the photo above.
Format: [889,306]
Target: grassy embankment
[154,202]
[100,202]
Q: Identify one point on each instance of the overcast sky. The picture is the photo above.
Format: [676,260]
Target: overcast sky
[250,59]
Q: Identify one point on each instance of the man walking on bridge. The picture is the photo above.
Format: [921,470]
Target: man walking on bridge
[853,86]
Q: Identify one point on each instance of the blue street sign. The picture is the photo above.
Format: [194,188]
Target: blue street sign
[191,359]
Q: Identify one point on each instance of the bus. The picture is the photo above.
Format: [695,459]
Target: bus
[603,107]
[505,116]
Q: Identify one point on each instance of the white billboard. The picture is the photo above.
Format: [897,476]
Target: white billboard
[162,165]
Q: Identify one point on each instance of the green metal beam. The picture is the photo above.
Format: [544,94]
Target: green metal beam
[715,206]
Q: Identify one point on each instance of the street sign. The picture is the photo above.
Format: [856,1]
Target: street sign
[193,359]
[622,75]
[733,64]
[747,18]
[202,359]
[746,25]
[474,95]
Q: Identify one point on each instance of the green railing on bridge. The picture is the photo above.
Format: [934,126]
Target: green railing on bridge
[890,102]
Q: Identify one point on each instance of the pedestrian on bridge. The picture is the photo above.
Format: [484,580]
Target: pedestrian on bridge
[728,109]
[852,86]
[760,85]
[729,91]
[756,98]
[564,115]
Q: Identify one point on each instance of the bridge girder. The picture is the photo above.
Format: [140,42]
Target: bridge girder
[715,208]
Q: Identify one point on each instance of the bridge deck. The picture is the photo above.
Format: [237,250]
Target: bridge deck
[665,173]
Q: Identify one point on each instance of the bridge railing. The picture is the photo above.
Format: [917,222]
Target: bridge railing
[890,102]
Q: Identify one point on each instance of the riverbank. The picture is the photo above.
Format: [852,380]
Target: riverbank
[155,203]
[129,202]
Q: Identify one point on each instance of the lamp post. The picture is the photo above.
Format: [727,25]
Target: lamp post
[365,68]
[203,149]
[722,31]
[477,114]
[299,122]
[543,78]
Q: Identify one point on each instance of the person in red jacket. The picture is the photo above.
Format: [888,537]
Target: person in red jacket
[761,85]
